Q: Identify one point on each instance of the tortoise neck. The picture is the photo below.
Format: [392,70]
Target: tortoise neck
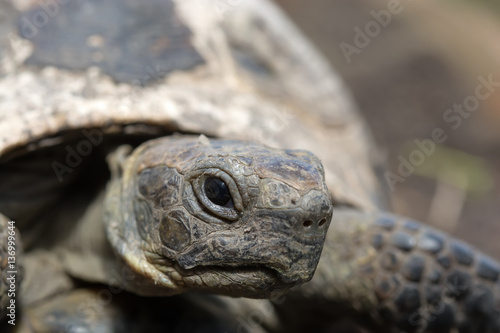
[345,253]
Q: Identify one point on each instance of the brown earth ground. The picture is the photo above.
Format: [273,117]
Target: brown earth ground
[425,60]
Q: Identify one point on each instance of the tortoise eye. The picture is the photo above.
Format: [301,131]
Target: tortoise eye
[218,192]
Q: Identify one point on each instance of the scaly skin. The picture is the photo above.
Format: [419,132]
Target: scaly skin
[162,230]
[391,273]
[171,238]
[84,310]
[401,276]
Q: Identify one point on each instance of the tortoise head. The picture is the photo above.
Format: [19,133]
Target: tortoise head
[227,217]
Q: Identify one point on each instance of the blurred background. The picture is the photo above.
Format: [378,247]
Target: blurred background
[410,73]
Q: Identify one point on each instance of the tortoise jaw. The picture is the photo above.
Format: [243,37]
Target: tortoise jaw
[225,253]
[252,281]
[188,262]
[276,270]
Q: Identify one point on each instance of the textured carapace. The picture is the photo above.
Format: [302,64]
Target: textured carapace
[229,217]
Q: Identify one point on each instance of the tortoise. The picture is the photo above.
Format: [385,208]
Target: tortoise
[135,159]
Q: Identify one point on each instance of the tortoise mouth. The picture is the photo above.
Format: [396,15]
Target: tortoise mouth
[270,264]
[276,266]
[252,281]
[241,269]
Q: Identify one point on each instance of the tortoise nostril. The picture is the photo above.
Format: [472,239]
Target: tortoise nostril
[307,224]
[322,222]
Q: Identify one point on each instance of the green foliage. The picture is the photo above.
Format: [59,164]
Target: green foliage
[457,168]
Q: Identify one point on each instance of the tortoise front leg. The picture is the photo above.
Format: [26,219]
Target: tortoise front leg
[101,309]
[394,273]
[75,311]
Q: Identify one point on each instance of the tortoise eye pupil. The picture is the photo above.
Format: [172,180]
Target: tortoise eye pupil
[217,191]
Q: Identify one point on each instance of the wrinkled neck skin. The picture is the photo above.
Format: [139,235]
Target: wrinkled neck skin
[338,289]
[337,278]
[121,227]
